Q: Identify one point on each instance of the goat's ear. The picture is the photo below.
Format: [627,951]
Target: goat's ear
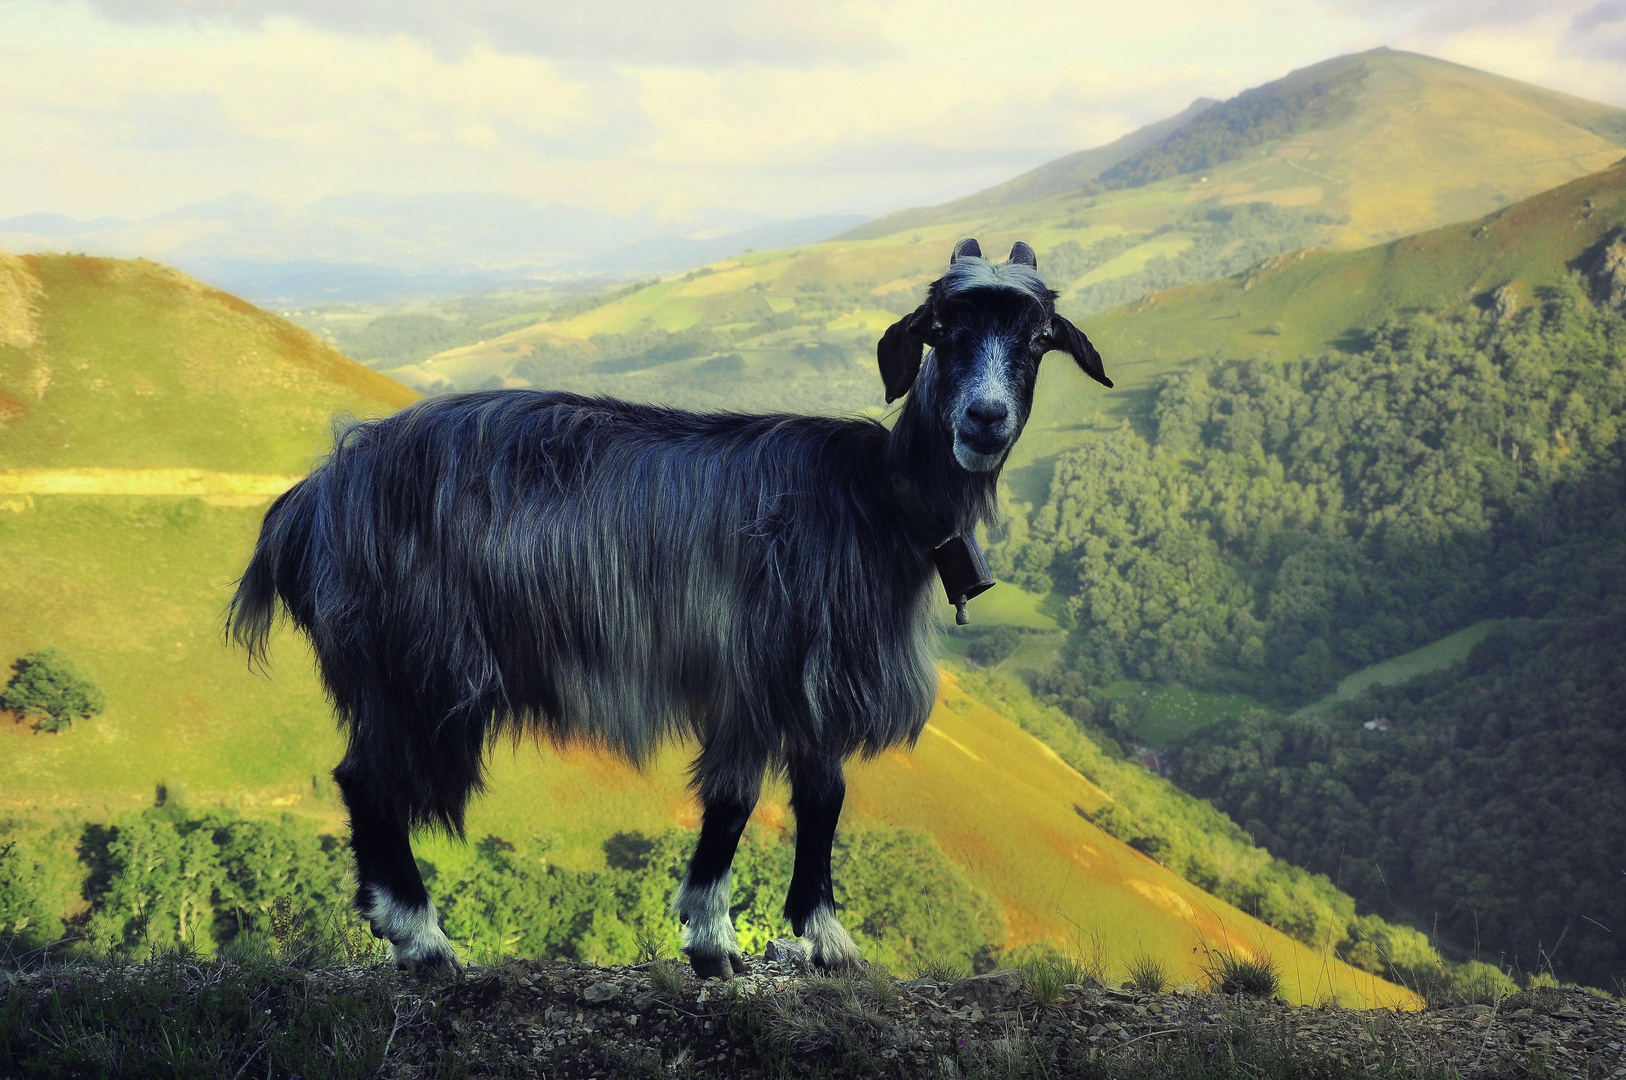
[1071,340]
[899,350]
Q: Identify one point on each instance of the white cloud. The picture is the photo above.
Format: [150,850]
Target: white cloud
[632,31]
[130,107]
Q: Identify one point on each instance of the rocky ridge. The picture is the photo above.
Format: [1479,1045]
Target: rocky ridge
[561,1019]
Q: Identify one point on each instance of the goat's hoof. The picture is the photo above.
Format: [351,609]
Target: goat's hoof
[716,965]
[829,946]
[432,961]
[432,967]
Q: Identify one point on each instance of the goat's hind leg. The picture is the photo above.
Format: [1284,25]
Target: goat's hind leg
[702,901]
[390,892]
[817,792]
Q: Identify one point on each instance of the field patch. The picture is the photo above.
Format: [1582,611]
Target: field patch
[1435,656]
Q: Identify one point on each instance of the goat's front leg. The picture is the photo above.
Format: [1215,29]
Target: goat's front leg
[701,902]
[816,794]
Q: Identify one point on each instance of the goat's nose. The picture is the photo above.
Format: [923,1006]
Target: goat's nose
[989,413]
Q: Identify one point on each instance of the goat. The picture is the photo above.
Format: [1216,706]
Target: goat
[617,574]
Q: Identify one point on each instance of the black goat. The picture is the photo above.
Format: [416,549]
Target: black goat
[623,574]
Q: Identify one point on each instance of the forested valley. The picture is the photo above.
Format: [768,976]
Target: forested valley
[1281,525]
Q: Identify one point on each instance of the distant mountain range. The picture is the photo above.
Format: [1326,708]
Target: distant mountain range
[370,246]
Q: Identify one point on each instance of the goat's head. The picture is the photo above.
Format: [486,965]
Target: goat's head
[988,326]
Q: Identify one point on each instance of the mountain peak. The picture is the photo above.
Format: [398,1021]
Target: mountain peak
[1358,136]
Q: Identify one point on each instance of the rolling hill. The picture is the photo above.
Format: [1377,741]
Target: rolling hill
[107,363]
[131,583]
[1307,301]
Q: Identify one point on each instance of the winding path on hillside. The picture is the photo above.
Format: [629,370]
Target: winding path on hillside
[228,488]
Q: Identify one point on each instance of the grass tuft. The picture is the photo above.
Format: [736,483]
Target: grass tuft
[648,945]
[881,986]
[1047,974]
[1242,973]
[1148,973]
[941,969]
[1042,980]
[666,978]
[1478,983]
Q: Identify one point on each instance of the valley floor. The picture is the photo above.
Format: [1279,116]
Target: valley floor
[180,1017]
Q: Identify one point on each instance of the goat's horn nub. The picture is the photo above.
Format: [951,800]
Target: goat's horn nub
[1021,253]
[967,248]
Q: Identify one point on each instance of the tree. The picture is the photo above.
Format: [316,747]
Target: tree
[165,875]
[50,691]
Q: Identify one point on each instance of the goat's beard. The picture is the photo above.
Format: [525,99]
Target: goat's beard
[975,461]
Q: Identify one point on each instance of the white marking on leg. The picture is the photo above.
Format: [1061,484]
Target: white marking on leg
[828,943]
[708,929]
[413,932]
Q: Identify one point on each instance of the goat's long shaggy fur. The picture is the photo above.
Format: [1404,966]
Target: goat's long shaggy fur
[600,571]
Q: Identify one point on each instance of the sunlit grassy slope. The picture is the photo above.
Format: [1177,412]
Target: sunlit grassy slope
[121,376]
[132,587]
[111,363]
[1307,302]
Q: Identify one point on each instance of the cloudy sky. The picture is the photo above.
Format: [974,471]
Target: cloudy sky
[133,107]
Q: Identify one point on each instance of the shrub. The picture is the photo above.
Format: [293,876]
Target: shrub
[1479,983]
[51,692]
[25,919]
[994,645]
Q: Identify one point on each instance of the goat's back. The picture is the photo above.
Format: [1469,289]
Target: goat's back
[611,572]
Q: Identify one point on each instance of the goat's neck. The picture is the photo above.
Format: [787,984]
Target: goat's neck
[920,449]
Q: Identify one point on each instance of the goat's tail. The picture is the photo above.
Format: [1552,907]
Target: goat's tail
[277,569]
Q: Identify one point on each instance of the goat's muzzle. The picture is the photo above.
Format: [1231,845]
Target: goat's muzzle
[983,433]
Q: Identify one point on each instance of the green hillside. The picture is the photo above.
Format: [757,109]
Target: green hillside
[131,586]
[107,363]
[1309,301]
